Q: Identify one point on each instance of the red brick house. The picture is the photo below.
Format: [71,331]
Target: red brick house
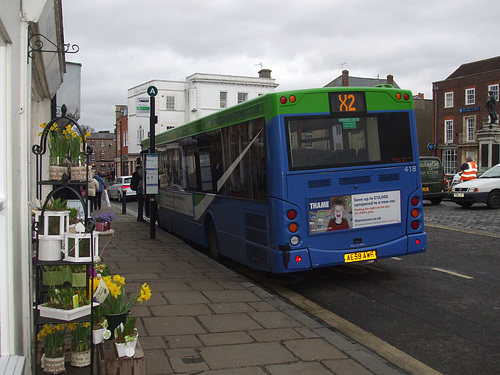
[461,119]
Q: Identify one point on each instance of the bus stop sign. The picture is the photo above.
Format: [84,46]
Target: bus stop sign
[152,91]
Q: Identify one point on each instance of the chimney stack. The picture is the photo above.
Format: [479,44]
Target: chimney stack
[345,78]
[390,79]
[265,73]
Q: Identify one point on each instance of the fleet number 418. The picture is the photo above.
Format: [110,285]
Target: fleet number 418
[411,168]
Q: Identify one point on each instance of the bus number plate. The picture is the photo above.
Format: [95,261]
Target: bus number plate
[360,256]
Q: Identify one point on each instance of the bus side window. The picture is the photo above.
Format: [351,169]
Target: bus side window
[345,156]
[362,155]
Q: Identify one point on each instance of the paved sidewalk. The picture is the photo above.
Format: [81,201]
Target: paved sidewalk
[203,318]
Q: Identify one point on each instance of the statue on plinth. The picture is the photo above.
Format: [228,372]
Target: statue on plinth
[490,104]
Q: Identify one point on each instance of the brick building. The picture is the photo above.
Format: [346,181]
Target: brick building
[461,119]
[103,154]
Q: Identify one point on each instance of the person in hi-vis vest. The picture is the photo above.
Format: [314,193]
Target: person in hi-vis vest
[469,169]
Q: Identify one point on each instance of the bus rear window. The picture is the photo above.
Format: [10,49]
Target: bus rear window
[326,142]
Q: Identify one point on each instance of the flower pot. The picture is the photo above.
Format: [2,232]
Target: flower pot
[67,315]
[53,277]
[80,173]
[80,359]
[56,172]
[53,365]
[49,249]
[78,280]
[127,349]
[100,226]
[98,335]
[114,321]
[107,225]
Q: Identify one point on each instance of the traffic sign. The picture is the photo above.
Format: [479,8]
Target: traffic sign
[431,146]
[152,91]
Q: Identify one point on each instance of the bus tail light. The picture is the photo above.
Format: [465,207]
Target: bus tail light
[415,212]
[298,259]
[293,227]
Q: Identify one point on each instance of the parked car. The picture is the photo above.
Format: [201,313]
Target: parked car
[115,189]
[484,189]
[433,179]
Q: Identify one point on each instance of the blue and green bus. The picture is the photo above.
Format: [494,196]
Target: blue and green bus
[297,180]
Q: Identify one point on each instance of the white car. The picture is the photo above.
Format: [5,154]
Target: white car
[484,189]
[115,188]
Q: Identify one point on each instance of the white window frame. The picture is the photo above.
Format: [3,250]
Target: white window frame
[170,103]
[450,161]
[448,131]
[470,96]
[493,88]
[242,97]
[223,99]
[470,126]
[448,99]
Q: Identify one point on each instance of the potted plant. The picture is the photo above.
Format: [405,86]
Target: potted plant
[53,275]
[67,303]
[78,275]
[58,149]
[113,302]
[51,227]
[126,338]
[52,337]
[100,329]
[100,269]
[103,221]
[80,346]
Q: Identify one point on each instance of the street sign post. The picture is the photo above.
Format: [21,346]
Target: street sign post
[152,92]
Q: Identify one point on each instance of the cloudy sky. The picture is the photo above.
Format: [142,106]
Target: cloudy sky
[124,43]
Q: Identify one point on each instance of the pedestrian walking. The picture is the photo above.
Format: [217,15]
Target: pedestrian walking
[136,184]
[102,186]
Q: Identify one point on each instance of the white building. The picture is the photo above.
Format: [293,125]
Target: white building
[28,81]
[178,102]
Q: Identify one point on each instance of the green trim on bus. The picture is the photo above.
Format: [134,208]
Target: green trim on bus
[269,105]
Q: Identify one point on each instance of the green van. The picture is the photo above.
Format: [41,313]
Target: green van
[433,179]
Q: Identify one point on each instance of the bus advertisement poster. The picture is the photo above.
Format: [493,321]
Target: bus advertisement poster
[354,211]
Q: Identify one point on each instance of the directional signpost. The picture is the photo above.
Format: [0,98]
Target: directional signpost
[152,92]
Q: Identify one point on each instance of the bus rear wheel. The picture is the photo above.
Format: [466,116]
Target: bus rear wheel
[213,247]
